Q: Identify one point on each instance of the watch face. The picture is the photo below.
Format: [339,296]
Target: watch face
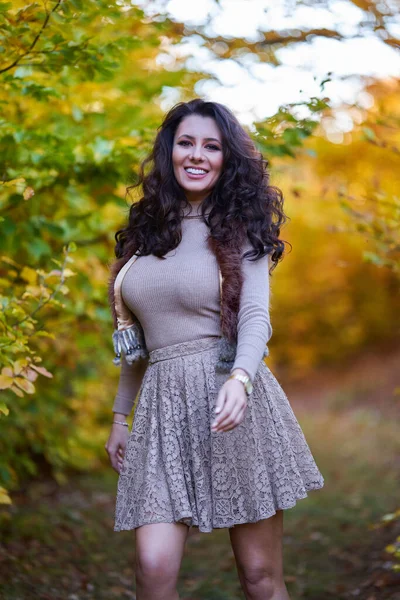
[249,387]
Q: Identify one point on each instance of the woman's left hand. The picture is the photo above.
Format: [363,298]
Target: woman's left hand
[231,406]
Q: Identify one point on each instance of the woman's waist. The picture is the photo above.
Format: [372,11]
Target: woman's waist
[183,348]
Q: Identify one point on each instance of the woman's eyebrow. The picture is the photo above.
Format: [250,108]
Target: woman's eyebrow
[209,139]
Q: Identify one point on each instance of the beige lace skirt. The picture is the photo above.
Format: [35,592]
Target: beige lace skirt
[176,469]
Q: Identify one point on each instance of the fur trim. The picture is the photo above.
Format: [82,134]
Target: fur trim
[229,260]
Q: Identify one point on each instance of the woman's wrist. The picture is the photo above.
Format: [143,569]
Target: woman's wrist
[240,372]
[120,417]
[244,378]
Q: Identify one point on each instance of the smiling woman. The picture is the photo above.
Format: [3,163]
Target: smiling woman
[214,441]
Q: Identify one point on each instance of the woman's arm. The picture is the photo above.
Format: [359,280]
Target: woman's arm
[130,380]
[254,326]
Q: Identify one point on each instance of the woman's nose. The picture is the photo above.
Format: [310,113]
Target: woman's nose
[197,153]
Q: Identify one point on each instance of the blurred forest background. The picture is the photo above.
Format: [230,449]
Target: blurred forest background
[84,86]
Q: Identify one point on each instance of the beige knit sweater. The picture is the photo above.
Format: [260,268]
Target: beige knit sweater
[177,300]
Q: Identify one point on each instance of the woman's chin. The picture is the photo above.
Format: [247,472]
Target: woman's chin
[198,189]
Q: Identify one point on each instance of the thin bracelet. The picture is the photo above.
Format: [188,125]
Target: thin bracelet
[121,423]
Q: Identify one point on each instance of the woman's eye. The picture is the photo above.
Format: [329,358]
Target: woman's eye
[185,143]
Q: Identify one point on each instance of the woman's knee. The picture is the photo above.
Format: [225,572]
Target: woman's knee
[261,576]
[155,567]
[159,550]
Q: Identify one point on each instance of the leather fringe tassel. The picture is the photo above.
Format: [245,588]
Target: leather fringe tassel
[131,342]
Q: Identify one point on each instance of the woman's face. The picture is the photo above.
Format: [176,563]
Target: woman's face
[197,156]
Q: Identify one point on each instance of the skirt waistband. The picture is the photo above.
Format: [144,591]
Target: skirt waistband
[183,349]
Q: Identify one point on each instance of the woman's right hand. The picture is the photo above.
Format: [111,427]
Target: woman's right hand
[116,445]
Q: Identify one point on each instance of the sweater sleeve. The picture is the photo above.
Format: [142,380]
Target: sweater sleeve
[254,326]
[130,380]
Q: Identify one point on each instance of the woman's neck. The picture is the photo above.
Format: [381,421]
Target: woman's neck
[194,207]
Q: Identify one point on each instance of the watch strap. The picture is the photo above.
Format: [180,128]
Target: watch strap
[245,379]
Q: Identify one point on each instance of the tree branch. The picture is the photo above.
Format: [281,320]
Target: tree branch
[36,39]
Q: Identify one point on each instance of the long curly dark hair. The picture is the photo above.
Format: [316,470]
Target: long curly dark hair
[241,207]
[242,197]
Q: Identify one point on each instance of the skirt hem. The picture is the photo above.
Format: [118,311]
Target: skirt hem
[194,522]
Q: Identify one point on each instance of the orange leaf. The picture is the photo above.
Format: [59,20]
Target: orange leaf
[30,374]
[42,371]
[28,193]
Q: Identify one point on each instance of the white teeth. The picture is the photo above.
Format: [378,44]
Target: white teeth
[195,171]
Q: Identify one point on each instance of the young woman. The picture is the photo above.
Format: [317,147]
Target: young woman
[214,442]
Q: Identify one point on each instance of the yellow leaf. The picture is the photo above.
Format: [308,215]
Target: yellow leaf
[19,365]
[16,391]
[14,182]
[36,291]
[9,261]
[4,496]
[25,385]
[7,371]
[4,409]
[68,273]
[42,333]
[29,275]
[5,382]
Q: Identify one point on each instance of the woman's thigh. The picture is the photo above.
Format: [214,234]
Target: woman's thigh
[258,547]
[159,549]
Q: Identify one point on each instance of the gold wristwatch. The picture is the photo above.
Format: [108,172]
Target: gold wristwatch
[245,379]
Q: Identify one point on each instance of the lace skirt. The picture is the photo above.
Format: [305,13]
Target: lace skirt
[176,469]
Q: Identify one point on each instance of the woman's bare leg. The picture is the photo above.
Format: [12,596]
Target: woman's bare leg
[159,552]
[258,554]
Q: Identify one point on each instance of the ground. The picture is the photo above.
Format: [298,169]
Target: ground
[58,543]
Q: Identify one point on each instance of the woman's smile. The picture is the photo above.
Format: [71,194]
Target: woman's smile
[195,173]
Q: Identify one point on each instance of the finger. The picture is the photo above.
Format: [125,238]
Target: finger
[115,465]
[233,416]
[220,401]
[113,455]
[226,411]
[237,420]
[230,419]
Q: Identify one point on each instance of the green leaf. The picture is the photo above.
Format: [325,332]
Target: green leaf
[4,408]
[38,248]
[369,133]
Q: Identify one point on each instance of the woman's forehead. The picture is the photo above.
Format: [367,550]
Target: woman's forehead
[196,126]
